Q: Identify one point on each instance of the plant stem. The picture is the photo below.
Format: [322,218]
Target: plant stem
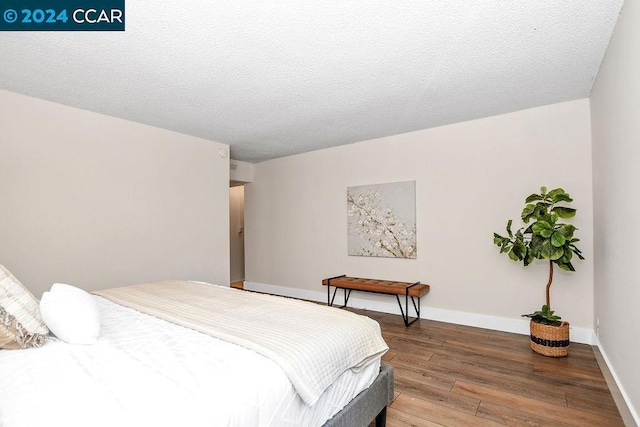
[549,283]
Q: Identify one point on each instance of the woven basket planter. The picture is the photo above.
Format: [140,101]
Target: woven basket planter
[549,340]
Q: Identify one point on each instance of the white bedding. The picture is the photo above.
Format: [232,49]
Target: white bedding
[157,373]
[312,343]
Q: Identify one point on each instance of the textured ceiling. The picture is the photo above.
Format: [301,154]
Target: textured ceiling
[277,78]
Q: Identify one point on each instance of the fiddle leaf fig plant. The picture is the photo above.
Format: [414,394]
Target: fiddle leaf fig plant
[544,236]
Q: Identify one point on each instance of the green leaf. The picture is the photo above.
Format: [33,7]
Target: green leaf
[541,210]
[535,246]
[533,198]
[543,191]
[563,197]
[551,252]
[542,228]
[527,212]
[576,251]
[509,228]
[566,266]
[568,254]
[528,259]
[557,239]
[559,195]
[503,242]
[518,251]
[564,212]
[566,230]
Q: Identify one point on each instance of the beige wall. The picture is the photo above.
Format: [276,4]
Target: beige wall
[615,116]
[470,179]
[97,201]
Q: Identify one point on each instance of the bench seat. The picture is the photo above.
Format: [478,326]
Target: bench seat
[407,289]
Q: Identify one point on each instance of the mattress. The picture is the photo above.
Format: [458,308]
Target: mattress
[146,371]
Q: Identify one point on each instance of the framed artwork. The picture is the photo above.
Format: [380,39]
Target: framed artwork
[381,220]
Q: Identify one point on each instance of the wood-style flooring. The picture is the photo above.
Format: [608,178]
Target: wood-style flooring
[452,375]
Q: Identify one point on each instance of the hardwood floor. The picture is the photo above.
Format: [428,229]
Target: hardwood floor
[452,375]
[237,285]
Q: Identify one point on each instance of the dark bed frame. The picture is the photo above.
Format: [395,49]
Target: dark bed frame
[370,404]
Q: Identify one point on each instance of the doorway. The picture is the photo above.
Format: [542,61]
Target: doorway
[236,237]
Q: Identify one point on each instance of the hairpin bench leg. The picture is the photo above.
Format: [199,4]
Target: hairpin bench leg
[329,298]
[405,312]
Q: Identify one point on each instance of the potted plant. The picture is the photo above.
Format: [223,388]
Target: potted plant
[544,236]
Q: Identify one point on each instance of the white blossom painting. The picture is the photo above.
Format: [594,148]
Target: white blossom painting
[381,220]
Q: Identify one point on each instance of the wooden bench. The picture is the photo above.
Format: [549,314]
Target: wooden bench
[415,291]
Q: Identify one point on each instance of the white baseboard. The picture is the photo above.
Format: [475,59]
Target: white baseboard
[629,411]
[518,326]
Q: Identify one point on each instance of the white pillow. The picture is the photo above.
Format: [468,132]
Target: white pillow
[71,314]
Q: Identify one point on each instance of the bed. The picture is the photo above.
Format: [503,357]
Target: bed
[195,354]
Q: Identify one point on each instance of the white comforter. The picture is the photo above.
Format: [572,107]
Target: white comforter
[157,374]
